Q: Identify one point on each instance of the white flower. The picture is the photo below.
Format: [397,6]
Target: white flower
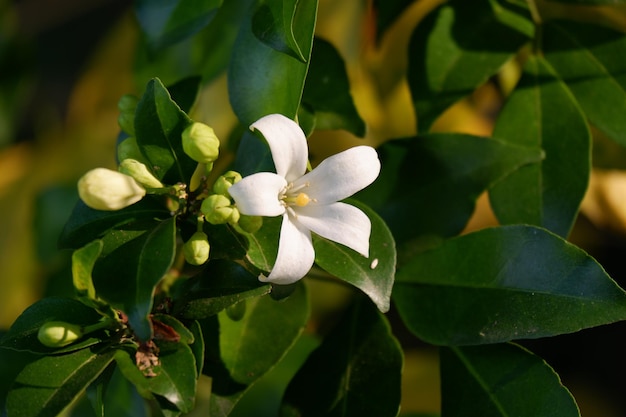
[104,189]
[308,202]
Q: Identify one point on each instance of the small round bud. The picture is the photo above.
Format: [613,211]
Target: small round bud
[224,182]
[105,189]
[140,173]
[196,249]
[250,224]
[217,209]
[127,106]
[200,143]
[56,334]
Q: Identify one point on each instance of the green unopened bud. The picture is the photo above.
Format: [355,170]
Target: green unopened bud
[217,209]
[196,249]
[250,224]
[105,189]
[127,106]
[140,173]
[57,334]
[224,182]
[200,143]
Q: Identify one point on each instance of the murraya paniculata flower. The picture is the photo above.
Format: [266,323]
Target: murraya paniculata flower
[308,202]
[105,189]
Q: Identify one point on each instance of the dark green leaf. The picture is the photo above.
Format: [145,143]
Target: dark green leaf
[542,113]
[11,364]
[159,124]
[48,385]
[83,260]
[253,155]
[175,378]
[355,372]
[277,88]
[501,380]
[456,49]
[429,185]
[505,283]
[222,284]
[589,59]
[23,333]
[169,21]
[387,11]
[327,91]
[263,244]
[184,92]
[86,224]
[273,24]
[374,275]
[120,397]
[591,2]
[197,347]
[126,277]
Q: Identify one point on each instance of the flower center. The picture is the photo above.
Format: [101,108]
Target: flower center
[293,196]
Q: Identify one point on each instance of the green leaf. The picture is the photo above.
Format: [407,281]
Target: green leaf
[456,49]
[263,244]
[591,2]
[48,385]
[429,185]
[327,91]
[251,346]
[542,113]
[356,371]
[11,364]
[222,284]
[278,87]
[83,260]
[23,333]
[505,283]
[501,380]
[273,24]
[197,347]
[387,12]
[159,124]
[588,58]
[86,224]
[374,275]
[170,21]
[175,378]
[127,276]
[119,396]
[185,91]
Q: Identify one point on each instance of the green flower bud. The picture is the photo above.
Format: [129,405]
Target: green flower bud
[105,189]
[196,249]
[250,224]
[140,173]
[200,143]
[127,106]
[217,209]
[223,182]
[56,334]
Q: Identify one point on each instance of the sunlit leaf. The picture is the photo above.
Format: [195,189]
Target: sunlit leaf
[505,283]
[501,380]
[374,275]
[48,385]
[355,372]
[83,260]
[542,113]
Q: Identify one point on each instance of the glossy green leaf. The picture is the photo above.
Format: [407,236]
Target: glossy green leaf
[197,347]
[263,244]
[428,185]
[119,397]
[185,91]
[251,346]
[253,155]
[542,113]
[11,364]
[222,284]
[374,275]
[456,49]
[48,385]
[83,260]
[277,88]
[23,333]
[356,371]
[589,59]
[387,11]
[175,378]
[273,24]
[501,380]
[167,22]
[127,276]
[591,2]
[159,124]
[327,91]
[86,224]
[505,283]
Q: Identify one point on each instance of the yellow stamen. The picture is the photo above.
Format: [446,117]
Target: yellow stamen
[302,200]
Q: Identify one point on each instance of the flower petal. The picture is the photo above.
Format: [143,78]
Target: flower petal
[257,194]
[287,144]
[339,222]
[295,254]
[342,175]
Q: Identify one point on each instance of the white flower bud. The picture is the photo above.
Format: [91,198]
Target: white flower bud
[200,143]
[57,334]
[196,249]
[105,189]
[140,173]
